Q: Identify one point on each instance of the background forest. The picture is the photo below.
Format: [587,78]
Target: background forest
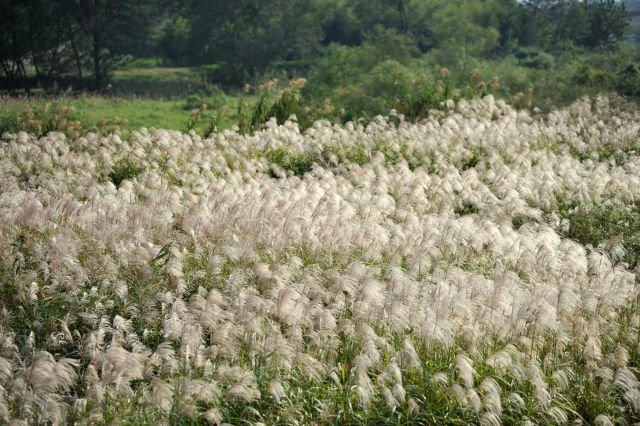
[159,62]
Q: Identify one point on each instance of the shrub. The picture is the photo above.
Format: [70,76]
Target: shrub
[125,169]
[40,120]
[532,57]
[627,81]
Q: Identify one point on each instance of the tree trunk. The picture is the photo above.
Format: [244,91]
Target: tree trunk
[97,65]
[402,11]
[8,72]
[76,57]
[37,68]
[23,74]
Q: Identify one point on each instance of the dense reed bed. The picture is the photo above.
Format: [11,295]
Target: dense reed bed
[395,273]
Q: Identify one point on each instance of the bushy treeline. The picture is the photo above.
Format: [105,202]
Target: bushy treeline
[47,43]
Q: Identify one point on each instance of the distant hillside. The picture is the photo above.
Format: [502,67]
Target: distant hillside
[633,6]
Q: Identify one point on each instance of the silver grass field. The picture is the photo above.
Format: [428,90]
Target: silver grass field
[392,273]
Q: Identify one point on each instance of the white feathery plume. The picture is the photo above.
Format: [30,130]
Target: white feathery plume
[162,394]
[562,379]
[163,357]
[464,366]
[394,371]
[243,392]
[310,367]
[369,347]
[603,420]
[626,381]
[190,339]
[45,375]
[414,407]
[213,416]
[410,358]
[245,387]
[620,358]
[606,377]
[276,389]
[557,415]
[399,393]
[5,371]
[459,395]
[592,348]
[516,400]
[389,399]
[286,307]
[536,377]
[279,352]
[490,419]
[474,399]
[364,386]
[121,366]
[491,396]
[187,406]
[361,252]
[440,378]
[202,391]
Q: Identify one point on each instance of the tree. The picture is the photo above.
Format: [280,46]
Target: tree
[550,24]
[112,28]
[14,34]
[463,29]
[244,37]
[172,39]
[607,23]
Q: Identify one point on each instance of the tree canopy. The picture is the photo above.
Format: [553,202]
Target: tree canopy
[47,43]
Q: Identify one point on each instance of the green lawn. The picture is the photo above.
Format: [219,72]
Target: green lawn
[159,97]
[138,112]
[159,82]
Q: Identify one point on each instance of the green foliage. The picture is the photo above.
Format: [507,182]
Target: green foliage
[172,39]
[280,105]
[627,81]
[43,119]
[586,75]
[343,65]
[125,169]
[551,25]
[409,89]
[101,115]
[246,37]
[45,44]
[298,164]
[605,225]
[203,122]
[532,57]
[160,82]
[462,30]
[362,58]
[466,208]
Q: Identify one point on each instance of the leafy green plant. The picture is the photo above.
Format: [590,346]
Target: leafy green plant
[39,119]
[122,170]
[605,225]
[299,164]
[280,105]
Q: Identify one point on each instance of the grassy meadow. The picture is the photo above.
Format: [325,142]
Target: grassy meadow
[476,267]
[138,97]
